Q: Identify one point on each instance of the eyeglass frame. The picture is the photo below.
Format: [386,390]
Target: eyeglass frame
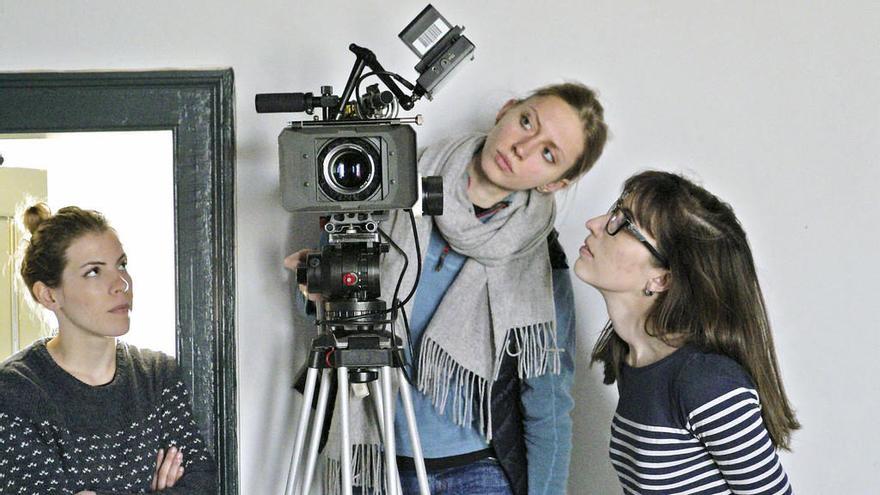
[629,223]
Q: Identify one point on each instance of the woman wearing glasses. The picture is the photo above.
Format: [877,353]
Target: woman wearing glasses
[702,408]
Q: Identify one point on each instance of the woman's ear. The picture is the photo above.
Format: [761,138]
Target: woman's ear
[507,106]
[554,186]
[45,295]
[660,283]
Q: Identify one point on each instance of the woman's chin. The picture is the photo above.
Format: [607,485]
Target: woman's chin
[582,270]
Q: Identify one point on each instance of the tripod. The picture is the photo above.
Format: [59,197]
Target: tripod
[358,359]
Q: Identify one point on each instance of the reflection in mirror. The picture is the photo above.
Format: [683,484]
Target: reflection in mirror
[127,176]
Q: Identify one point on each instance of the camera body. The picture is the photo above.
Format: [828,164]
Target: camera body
[348,166]
[360,157]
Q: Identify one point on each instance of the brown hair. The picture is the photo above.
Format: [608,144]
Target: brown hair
[51,235]
[714,300]
[584,102]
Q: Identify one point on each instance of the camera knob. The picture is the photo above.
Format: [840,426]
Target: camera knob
[432,195]
[349,279]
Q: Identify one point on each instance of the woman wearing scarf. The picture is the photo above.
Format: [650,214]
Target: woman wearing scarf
[492,321]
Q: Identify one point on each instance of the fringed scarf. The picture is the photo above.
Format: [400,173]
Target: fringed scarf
[500,302]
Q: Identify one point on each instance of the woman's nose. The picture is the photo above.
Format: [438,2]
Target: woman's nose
[121,284]
[595,224]
[524,147]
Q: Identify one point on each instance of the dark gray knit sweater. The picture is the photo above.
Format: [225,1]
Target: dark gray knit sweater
[61,436]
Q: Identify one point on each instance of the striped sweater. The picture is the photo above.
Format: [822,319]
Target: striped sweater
[691,424]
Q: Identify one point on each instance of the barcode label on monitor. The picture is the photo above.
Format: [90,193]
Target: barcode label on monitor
[431,35]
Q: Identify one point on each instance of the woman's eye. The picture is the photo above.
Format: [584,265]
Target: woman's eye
[525,122]
[123,266]
[548,155]
[92,273]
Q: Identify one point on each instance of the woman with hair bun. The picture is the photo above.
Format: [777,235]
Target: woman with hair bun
[702,408]
[81,412]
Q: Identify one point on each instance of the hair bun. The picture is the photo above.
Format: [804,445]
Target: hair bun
[36,215]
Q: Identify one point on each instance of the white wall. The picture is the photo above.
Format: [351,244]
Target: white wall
[773,106]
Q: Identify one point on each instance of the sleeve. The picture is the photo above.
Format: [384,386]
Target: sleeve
[304,307]
[547,403]
[180,429]
[723,411]
[29,462]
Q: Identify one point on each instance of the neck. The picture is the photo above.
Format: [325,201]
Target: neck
[481,191]
[628,316]
[90,360]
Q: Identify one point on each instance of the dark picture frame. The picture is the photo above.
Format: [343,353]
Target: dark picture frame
[197,106]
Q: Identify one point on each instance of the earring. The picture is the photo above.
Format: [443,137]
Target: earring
[542,189]
[648,292]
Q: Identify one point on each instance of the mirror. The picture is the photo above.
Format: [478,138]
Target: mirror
[196,107]
[127,176]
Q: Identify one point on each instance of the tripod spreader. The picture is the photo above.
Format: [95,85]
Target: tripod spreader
[359,352]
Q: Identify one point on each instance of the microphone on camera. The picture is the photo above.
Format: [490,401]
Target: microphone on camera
[294,102]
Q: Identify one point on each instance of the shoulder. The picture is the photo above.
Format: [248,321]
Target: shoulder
[558,261]
[452,141]
[23,380]
[149,365]
[430,157]
[707,378]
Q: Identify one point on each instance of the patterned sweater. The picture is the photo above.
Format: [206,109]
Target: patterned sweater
[691,424]
[61,436]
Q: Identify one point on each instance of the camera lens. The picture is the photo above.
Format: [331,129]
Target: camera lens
[350,169]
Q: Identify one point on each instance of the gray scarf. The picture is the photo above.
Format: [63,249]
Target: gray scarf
[500,302]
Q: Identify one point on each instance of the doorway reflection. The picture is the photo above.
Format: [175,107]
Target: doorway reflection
[129,177]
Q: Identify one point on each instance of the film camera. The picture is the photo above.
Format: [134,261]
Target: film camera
[360,157]
[355,165]
[359,161]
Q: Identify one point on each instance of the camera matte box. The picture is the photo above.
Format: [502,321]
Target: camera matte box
[299,148]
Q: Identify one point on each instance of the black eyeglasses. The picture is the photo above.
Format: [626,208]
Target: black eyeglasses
[620,217]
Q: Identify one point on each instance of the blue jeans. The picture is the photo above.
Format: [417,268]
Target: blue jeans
[483,477]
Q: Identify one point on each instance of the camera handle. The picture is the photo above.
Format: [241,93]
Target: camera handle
[332,105]
[366,58]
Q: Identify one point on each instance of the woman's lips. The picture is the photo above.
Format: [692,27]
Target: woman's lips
[121,309]
[585,250]
[502,162]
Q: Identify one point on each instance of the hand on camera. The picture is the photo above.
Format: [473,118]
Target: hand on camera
[169,469]
[291,262]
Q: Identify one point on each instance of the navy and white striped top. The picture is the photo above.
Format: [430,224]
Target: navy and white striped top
[691,424]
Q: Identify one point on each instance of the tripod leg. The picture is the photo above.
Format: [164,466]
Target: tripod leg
[406,399]
[308,394]
[342,392]
[379,403]
[389,443]
[317,427]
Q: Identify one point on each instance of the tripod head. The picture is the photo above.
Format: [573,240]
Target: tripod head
[346,273]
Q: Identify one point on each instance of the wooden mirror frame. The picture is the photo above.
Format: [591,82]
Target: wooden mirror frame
[197,106]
